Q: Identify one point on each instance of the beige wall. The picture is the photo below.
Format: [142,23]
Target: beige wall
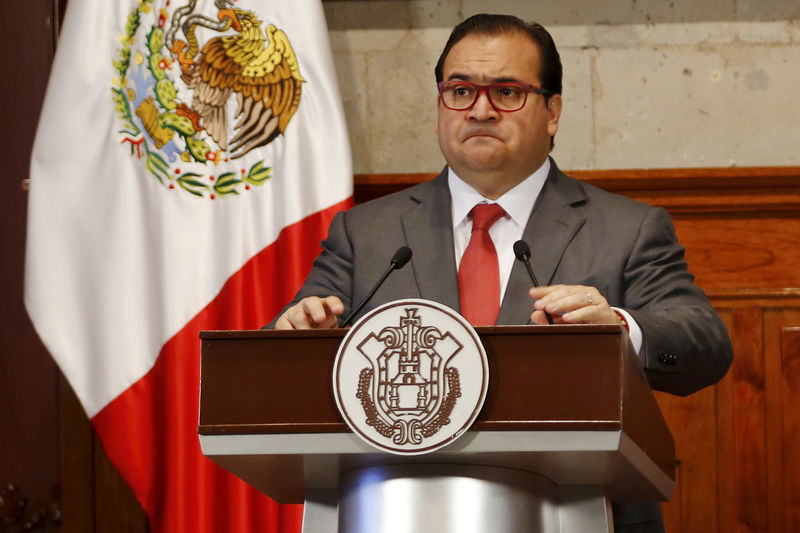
[647,83]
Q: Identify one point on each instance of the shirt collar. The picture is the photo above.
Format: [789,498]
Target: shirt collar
[517,202]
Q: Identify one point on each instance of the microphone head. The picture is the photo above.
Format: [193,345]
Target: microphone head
[522,250]
[401,257]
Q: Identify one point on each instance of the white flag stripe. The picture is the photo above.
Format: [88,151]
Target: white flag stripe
[117,262]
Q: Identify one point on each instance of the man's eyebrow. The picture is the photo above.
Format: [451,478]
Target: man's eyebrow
[466,77]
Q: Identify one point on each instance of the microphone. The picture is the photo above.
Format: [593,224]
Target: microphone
[399,260]
[523,253]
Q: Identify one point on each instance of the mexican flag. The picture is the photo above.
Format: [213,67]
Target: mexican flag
[189,157]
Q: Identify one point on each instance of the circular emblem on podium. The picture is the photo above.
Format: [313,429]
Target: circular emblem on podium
[410,377]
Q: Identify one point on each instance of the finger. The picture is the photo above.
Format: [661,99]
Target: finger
[323,312]
[569,298]
[293,318]
[582,315]
[544,296]
[598,313]
[316,312]
[562,299]
[580,298]
[283,322]
[587,315]
[312,312]
[540,318]
[333,306]
[590,295]
[299,317]
[540,292]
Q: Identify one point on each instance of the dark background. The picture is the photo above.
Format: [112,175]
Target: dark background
[44,436]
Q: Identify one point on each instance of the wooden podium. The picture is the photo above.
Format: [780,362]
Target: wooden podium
[569,405]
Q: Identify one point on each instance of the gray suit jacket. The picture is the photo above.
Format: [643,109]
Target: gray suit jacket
[578,234]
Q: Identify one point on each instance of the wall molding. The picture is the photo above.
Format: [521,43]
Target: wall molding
[712,191]
[754,297]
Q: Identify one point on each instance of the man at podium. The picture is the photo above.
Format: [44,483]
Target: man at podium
[601,258]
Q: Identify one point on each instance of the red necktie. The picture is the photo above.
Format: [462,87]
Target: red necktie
[479,273]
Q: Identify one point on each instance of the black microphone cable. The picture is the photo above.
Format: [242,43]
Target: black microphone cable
[399,260]
[523,253]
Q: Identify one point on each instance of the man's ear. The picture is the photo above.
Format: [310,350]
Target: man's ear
[554,113]
[436,124]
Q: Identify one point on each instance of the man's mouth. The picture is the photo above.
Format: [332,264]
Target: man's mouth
[480,133]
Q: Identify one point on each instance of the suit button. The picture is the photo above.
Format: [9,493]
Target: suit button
[669,359]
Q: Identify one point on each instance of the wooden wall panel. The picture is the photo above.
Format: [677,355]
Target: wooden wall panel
[774,323]
[116,507]
[29,447]
[750,503]
[740,470]
[788,429]
[696,450]
[77,470]
[754,253]
[725,458]
[94,498]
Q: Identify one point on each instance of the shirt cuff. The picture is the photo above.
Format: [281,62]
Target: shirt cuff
[634,331]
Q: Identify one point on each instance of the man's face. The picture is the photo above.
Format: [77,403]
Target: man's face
[491,150]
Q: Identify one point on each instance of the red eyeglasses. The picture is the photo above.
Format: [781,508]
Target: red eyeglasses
[508,96]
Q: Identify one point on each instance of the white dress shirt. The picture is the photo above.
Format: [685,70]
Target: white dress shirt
[518,204]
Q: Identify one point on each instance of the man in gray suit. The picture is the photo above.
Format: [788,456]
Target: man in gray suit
[602,258]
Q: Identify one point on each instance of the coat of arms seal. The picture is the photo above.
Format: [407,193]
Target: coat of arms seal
[410,377]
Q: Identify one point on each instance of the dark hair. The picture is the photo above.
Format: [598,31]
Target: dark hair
[550,71]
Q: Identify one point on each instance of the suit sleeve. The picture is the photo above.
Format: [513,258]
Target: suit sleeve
[332,272]
[685,343]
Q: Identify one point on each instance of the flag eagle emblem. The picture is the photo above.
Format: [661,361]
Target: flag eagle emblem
[177,95]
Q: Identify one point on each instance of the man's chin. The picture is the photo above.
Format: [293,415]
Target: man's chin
[485,156]
[485,165]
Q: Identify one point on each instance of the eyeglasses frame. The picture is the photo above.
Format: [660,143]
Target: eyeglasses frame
[485,89]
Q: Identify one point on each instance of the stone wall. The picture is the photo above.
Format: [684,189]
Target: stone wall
[647,83]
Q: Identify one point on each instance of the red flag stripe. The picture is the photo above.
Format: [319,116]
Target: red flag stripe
[150,430]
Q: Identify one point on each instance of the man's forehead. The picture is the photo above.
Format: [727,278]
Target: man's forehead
[489,57]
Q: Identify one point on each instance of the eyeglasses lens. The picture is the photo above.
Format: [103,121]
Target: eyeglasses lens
[504,96]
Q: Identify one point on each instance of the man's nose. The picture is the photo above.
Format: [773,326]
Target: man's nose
[483,108]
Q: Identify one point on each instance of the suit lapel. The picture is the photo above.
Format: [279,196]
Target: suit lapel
[553,223]
[428,228]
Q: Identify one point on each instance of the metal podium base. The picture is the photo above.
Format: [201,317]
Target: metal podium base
[454,498]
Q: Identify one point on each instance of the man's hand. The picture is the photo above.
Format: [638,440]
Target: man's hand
[312,313]
[571,304]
